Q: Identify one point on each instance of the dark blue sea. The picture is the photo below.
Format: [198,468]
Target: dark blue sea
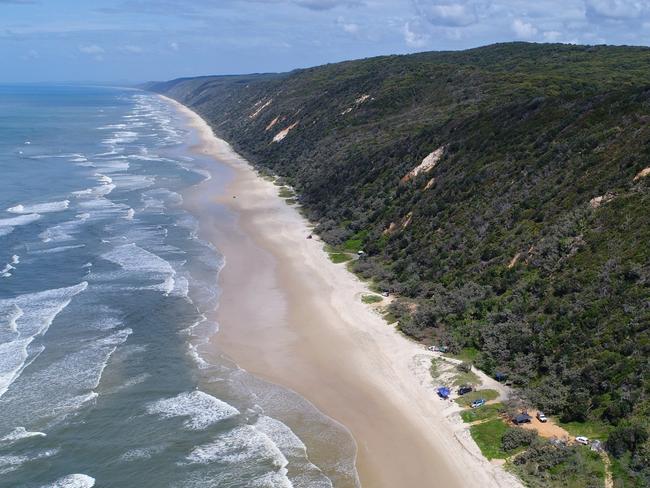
[104,291]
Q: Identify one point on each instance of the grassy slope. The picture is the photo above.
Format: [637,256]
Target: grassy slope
[532,134]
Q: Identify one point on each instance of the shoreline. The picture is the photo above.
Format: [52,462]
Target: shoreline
[290,316]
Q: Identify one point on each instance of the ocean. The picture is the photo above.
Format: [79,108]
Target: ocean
[105,290]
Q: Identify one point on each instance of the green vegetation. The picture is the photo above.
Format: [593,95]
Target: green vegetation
[468,398]
[517,439]
[286,192]
[371,299]
[491,411]
[467,354]
[488,435]
[434,369]
[548,466]
[462,377]
[505,253]
[592,429]
[338,257]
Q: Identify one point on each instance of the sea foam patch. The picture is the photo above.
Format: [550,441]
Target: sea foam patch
[11,463]
[131,257]
[39,207]
[64,231]
[201,409]
[72,481]
[7,225]
[29,316]
[239,445]
[249,449]
[65,385]
[9,267]
[20,433]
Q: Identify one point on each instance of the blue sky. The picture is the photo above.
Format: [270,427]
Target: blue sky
[136,40]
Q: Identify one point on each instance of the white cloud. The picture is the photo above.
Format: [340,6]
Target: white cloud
[349,27]
[132,49]
[327,4]
[618,9]
[31,55]
[552,36]
[174,46]
[91,49]
[413,38]
[455,14]
[524,30]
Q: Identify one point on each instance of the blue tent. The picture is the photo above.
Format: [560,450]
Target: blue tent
[444,392]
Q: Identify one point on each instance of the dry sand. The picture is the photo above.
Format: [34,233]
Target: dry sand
[290,316]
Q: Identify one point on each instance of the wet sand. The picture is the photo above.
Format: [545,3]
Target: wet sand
[288,315]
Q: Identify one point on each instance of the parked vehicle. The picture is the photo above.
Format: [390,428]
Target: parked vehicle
[522,418]
[501,377]
[582,440]
[463,390]
[541,417]
[478,403]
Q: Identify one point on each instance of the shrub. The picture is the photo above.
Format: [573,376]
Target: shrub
[464,367]
[626,437]
[544,456]
[515,438]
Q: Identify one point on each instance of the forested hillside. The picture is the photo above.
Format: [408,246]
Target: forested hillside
[502,193]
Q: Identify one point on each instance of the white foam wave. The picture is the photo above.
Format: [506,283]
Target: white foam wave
[133,182]
[136,380]
[134,259]
[6,271]
[107,180]
[141,453]
[11,463]
[96,191]
[246,445]
[20,433]
[65,230]
[64,386]
[32,316]
[65,155]
[39,207]
[114,151]
[121,137]
[241,444]
[11,314]
[159,198]
[55,250]
[112,126]
[113,166]
[16,221]
[181,287]
[72,481]
[202,409]
[282,436]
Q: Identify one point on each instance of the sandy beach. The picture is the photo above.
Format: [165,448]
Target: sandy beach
[289,315]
